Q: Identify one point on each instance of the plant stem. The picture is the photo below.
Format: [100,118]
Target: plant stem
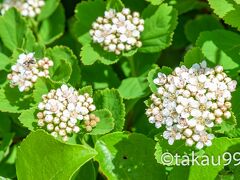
[132,65]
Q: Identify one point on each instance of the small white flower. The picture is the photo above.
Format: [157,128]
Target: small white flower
[171,135]
[30,8]
[151,120]
[162,78]
[62,109]
[204,140]
[189,142]
[118,31]
[196,113]
[188,132]
[112,47]
[189,102]
[26,71]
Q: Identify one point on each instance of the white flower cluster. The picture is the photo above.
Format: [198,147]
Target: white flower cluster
[62,110]
[27,70]
[191,101]
[118,31]
[30,8]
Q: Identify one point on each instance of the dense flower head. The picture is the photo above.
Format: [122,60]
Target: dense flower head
[30,8]
[27,70]
[118,31]
[62,110]
[189,102]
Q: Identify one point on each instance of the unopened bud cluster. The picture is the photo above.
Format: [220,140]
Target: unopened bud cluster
[61,111]
[118,31]
[30,8]
[92,122]
[189,102]
[27,70]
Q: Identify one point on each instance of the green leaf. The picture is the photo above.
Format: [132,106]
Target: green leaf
[236,105]
[47,158]
[111,100]
[187,5]
[30,44]
[227,126]
[63,55]
[218,148]
[86,89]
[90,53]
[162,147]
[134,87]
[202,23]
[28,118]
[129,53]
[233,165]
[42,86]
[86,172]
[4,146]
[52,27]
[221,51]
[114,4]
[49,7]
[179,172]
[7,166]
[151,76]
[228,10]
[4,62]
[62,69]
[142,62]
[86,13]
[13,28]
[193,56]
[106,123]
[14,101]
[155,2]
[154,73]
[106,78]
[128,156]
[158,28]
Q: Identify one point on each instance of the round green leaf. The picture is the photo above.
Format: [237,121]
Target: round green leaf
[52,27]
[193,56]
[128,156]
[14,101]
[202,23]
[115,4]
[65,65]
[70,73]
[229,11]
[106,78]
[86,13]
[44,157]
[28,118]
[86,89]
[111,100]
[106,123]
[221,51]
[13,28]
[90,53]
[219,147]
[158,28]
[49,7]
[134,87]
[4,62]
